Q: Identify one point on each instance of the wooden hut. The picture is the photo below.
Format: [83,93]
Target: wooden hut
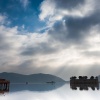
[4,85]
[83,83]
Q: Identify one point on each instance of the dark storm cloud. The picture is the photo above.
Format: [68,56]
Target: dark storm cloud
[67,4]
[72,29]
[42,48]
[77,25]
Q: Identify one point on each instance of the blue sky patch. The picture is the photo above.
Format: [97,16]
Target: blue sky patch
[24,17]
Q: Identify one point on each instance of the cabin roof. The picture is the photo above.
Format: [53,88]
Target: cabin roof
[4,81]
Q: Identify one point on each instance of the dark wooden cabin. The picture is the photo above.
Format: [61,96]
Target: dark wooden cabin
[83,83]
[4,86]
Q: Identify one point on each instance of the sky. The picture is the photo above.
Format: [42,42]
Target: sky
[58,37]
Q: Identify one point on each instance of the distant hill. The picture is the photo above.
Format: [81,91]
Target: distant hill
[42,82]
[33,78]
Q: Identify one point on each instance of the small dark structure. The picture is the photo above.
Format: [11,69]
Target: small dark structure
[4,86]
[51,82]
[83,83]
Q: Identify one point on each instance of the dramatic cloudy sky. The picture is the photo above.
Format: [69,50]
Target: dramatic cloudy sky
[59,37]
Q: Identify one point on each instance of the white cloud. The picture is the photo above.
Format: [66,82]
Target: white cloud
[47,9]
[52,13]
[13,43]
